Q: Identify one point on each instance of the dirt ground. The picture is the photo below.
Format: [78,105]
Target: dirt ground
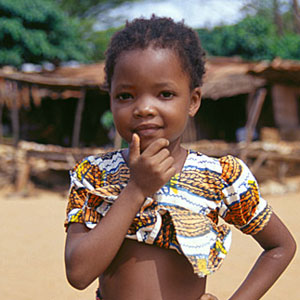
[32,249]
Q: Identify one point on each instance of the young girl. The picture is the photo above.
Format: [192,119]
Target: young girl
[144,219]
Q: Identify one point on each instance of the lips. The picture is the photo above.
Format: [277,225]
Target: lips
[147,129]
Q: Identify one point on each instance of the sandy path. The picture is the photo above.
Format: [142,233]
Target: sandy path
[32,242]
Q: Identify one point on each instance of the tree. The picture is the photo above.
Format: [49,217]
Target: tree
[253,38]
[277,17]
[89,8]
[89,13]
[283,14]
[36,31]
[296,16]
[99,42]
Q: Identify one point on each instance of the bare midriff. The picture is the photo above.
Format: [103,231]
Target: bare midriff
[147,272]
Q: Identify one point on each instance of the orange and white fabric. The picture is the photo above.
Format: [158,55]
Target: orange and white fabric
[183,214]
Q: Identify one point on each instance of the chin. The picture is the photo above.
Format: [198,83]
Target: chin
[144,145]
[146,142]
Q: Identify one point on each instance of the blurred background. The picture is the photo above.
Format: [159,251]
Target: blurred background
[52,102]
[54,111]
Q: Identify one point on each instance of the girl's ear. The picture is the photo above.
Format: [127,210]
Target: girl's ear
[195,101]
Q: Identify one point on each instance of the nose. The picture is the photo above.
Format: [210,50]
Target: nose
[144,108]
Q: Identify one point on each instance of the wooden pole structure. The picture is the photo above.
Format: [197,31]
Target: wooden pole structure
[15,114]
[23,169]
[1,125]
[253,117]
[254,114]
[78,117]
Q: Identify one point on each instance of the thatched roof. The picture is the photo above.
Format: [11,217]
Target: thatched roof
[62,83]
[225,77]
[90,76]
[278,71]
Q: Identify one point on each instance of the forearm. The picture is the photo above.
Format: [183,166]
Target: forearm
[265,272]
[91,253]
[279,249]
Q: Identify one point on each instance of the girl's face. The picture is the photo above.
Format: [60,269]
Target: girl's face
[150,95]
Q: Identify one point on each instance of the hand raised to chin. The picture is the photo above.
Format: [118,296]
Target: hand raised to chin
[152,168]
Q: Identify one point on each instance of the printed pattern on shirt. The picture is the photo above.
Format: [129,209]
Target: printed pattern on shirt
[183,214]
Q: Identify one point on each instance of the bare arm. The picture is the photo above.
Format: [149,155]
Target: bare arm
[279,249]
[88,253]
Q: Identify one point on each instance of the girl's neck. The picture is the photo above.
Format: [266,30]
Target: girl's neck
[179,154]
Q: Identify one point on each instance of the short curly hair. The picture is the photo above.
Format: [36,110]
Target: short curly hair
[159,33]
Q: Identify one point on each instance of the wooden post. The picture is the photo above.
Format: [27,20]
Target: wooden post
[77,121]
[253,116]
[23,171]
[15,114]
[1,125]
[261,158]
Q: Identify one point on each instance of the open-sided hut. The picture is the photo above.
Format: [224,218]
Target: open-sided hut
[64,108]
[39,109]
[229,96]
[67,104]
[283,78]
[60,107]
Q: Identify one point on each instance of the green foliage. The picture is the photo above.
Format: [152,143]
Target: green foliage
[263,8]
[88,8]
[99,42]
[89,12]
[279,12]
[36,31]
[253,38]
[107,120]
[287,47]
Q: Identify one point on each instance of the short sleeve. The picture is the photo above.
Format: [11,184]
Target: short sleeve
[82,204]
[242,204]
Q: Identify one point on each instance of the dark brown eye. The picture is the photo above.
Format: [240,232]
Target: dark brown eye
[167,95]
[124,96]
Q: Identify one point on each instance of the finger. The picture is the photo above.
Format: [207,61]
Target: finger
[156,146]
[134,147]
[170,173]
[167,163]
[162,155]
[208,296]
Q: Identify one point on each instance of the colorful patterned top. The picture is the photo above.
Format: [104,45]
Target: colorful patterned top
[183,214]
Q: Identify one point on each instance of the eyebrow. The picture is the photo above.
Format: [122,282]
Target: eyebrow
[124,86]
[165,84]
[168,84]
